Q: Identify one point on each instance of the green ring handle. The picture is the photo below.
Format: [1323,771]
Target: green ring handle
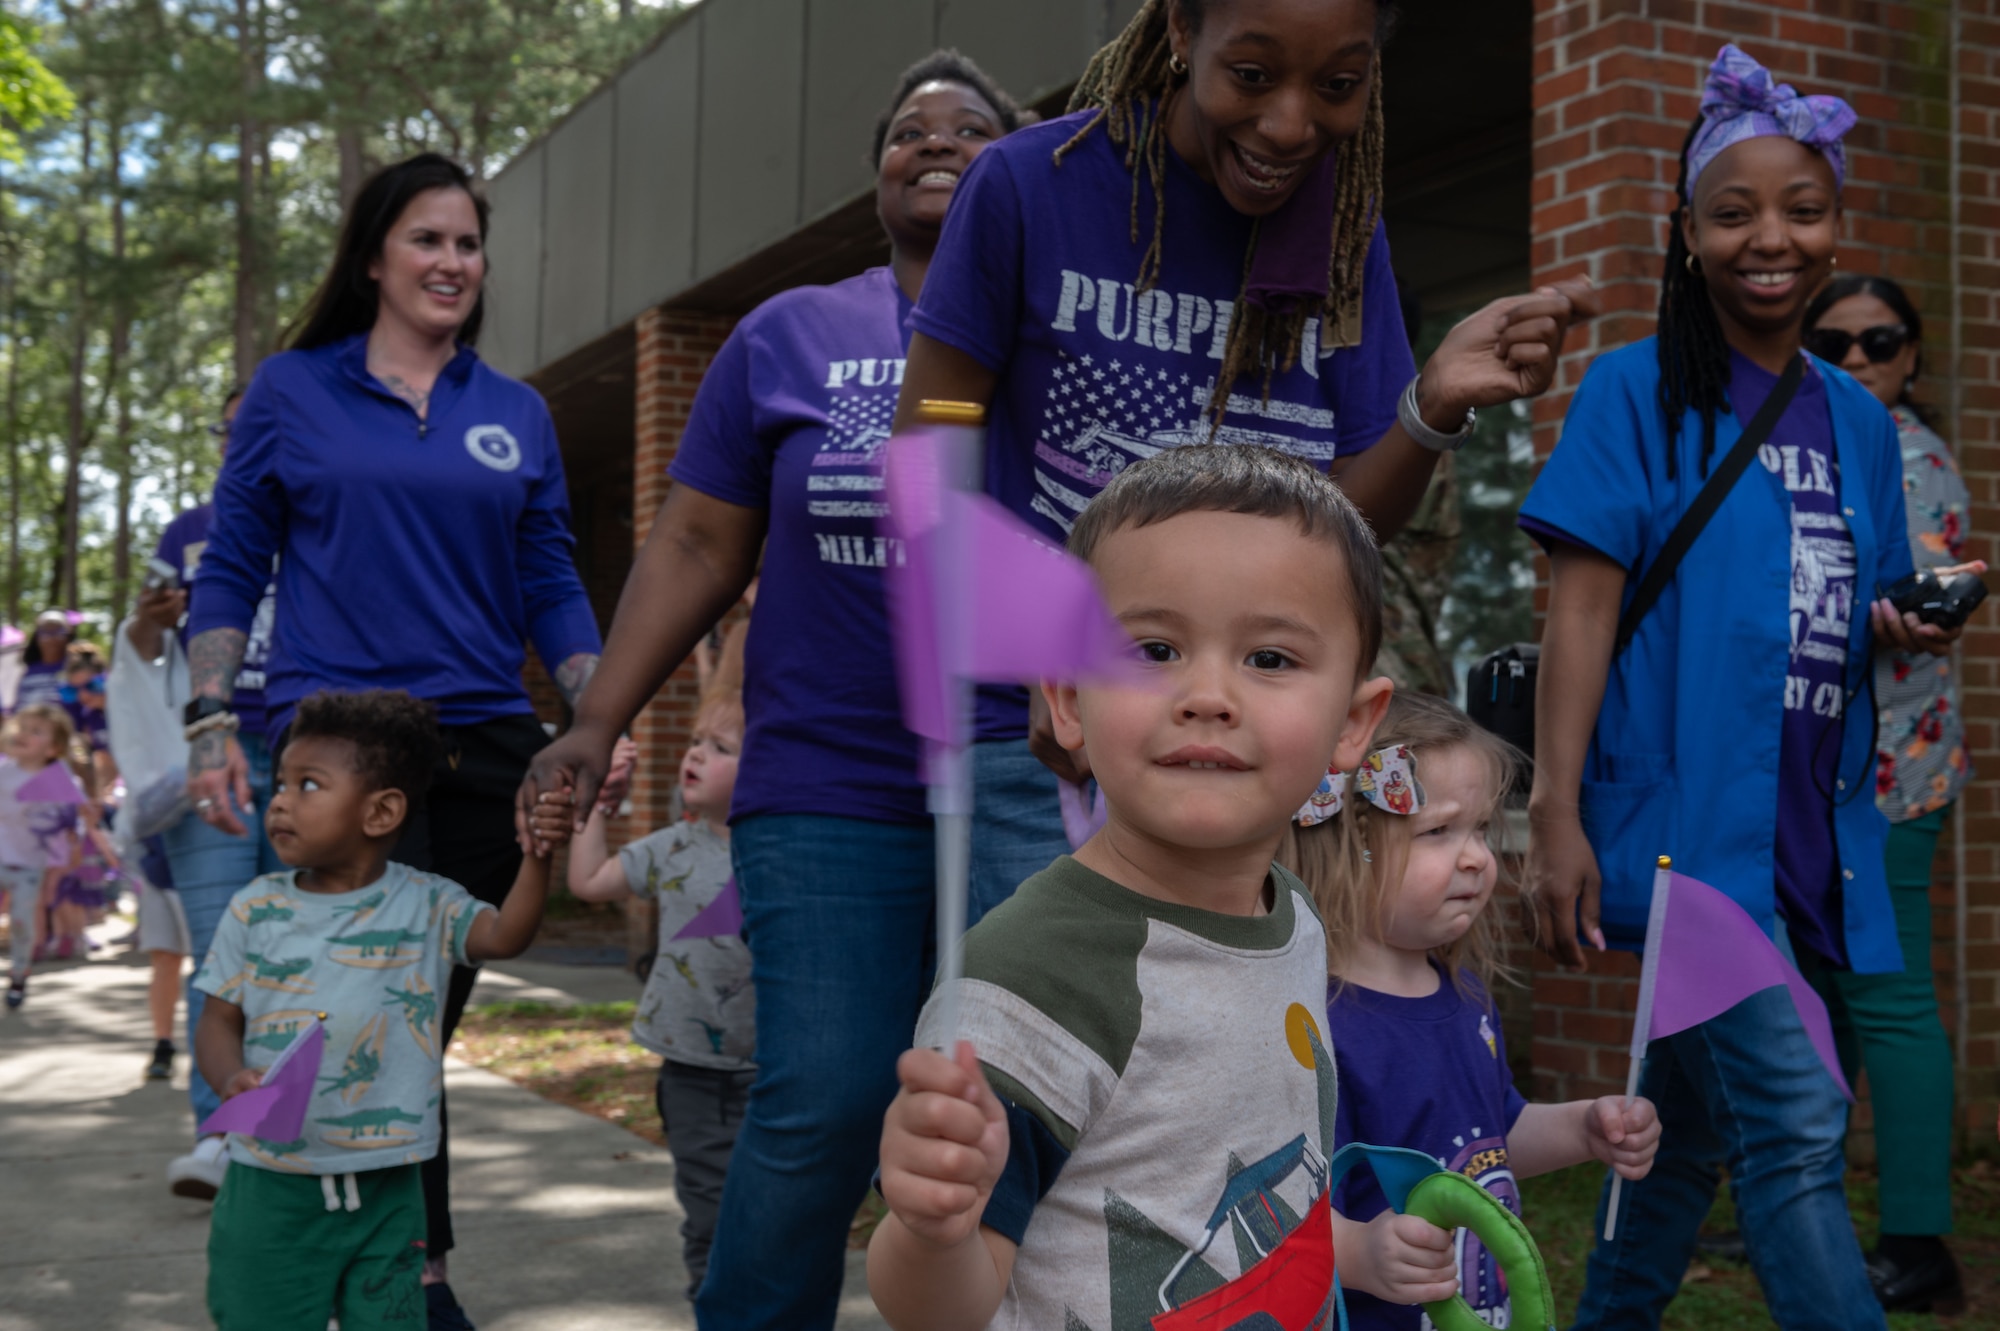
[1453,1201]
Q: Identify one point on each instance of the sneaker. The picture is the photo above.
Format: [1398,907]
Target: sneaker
[17,993]
[162,1066]
[198,1174]
[445,1313]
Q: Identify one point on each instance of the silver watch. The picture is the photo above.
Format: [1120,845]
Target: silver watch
[1413,425]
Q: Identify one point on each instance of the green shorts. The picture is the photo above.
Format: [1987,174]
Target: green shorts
[279,1260]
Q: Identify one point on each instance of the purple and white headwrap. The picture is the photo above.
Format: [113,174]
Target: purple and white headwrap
[1741,102]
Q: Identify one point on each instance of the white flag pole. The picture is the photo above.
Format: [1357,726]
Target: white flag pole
[1642,1022]
[951,764]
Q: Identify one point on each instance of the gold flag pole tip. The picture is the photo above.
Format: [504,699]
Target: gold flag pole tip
[1666,861]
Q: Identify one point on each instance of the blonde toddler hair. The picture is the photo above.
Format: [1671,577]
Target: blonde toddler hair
[1353,863]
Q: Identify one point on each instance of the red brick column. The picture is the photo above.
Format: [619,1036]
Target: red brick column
[674,352]
[1616,84]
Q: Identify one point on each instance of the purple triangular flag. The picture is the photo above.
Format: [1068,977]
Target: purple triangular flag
[1032,610]
[720,918]
[1712,956]
[275,1110]
[52,785]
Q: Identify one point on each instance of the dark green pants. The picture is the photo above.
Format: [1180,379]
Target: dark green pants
[278,1260]
[1889,1024]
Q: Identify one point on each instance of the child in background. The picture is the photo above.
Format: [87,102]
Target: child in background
[1403,884]
[83,699]
[1138,1037]
[332,1224]
[35,736]
[698,1011]
[85,878]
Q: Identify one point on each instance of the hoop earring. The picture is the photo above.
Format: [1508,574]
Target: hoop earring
[1693,266]
[1175,65]
[1836,261]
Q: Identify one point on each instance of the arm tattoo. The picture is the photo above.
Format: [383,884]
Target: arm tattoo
[572,675]
[209,752]
[214,658]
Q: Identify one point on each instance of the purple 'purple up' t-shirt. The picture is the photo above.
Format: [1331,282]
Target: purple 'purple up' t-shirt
[1033,278]
[1800,455]
[791,418]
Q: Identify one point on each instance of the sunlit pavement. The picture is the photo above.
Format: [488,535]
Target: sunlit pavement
[564,1221]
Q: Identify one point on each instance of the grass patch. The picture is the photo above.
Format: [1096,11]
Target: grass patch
[579,1056]
[1561,1210]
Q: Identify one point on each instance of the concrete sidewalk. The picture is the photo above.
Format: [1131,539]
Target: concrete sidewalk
[564,1221]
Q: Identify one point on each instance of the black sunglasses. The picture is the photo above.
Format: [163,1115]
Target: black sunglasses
[1884,342]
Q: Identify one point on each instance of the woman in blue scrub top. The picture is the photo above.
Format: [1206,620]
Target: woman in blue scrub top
[1718,736]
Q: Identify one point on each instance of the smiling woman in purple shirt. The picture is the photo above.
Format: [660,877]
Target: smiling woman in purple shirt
[414,501]
[831,841]
[1196,254]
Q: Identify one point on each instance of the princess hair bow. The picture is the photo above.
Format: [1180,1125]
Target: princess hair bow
[1387,779]
[1742,102]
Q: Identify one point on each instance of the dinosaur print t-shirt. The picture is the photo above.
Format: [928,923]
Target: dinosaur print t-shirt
[376,962]
[698,1006]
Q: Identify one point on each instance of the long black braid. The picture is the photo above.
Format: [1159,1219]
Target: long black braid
[1694,355]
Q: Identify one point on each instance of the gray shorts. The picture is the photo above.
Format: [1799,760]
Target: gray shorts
[163,925]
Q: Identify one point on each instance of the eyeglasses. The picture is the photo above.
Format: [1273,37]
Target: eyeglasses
[1884,342]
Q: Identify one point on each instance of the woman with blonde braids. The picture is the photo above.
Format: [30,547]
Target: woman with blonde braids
[1196,253]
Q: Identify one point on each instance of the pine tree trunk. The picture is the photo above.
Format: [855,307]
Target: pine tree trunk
[119,375]
[13,435]
[69,541]
[353,165]
[249,134]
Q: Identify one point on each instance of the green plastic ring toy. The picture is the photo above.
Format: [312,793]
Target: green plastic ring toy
[1453,1201]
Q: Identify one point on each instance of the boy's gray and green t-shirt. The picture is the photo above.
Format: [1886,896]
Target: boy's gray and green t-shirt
[698,1006]
[1170,1097]
[377,961]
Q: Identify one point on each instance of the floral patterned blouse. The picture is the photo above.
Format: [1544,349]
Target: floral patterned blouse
[1920,760]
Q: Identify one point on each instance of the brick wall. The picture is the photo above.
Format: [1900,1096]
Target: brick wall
[674,352]
[1616,85]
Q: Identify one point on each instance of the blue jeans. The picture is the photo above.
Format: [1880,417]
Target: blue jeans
[1746,1090]
[209,865]
[1017,827]
[838,912]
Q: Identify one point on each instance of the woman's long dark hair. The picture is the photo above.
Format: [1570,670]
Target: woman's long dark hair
[1694,355]
[347,299]
[1890,293]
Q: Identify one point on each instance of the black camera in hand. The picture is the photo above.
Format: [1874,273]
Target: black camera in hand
[1946,603]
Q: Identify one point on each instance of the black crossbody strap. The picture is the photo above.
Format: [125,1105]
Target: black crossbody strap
[1720,482]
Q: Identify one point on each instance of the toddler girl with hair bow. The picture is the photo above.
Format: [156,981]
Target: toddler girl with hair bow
[1402,872]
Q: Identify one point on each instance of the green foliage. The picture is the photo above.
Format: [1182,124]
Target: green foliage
[30,95]
[123,322]
[1460,577]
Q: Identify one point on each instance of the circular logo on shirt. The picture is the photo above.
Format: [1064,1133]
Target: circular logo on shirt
[494,446]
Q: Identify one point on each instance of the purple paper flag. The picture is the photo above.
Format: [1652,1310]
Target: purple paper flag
[1712,956]
[52,785]
[720,918]
[1031,610]
[1082,817]
[275,1110]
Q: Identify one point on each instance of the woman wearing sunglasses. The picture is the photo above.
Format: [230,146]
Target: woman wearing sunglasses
[1869,328]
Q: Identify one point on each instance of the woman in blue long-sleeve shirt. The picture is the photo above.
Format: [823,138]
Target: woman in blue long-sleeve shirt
[413,499]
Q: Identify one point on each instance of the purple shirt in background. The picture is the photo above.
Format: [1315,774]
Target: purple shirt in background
[40,683]
[1429,1074]
[791,418]
[181,545]
[1033,278]
[1800,455]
